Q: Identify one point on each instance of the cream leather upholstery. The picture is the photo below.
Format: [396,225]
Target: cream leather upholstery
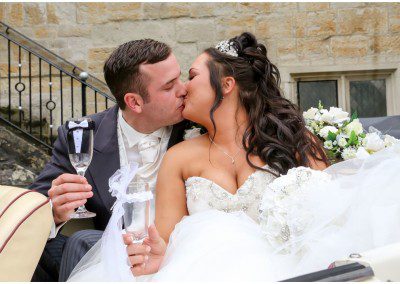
[25,222]
[384,261]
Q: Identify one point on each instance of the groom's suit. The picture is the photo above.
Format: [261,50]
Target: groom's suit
[105,161]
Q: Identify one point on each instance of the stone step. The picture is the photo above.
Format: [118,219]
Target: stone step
[21,160]
[32,127]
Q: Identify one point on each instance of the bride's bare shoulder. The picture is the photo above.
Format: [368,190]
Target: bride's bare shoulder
[187,150]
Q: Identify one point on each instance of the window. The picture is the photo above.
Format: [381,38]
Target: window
[368,98]
[311,92]
[367,93]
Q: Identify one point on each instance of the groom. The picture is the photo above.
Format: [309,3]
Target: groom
[143,76]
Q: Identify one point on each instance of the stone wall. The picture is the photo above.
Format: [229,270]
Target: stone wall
[296,34]
[20,160]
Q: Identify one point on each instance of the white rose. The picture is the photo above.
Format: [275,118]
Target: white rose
[328,144]
[390,140]
[349,153]
[341,141]
[355,126]
[310,114]
[326,116]
[339,116]
[362,153]
[372,142]
[325,131]
[191,133]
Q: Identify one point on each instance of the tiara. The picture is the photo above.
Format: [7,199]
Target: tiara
[227,46]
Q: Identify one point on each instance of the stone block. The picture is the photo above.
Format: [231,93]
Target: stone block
[124,11]
[98,13]
[313,48]
[321,23]
[151,10]
[300,24]
[43,32]
[286,49]
[347,5]
[61,13]
[73,31]
[2,11]
[254,8]
[198,10]
[282,7]
[35,14]
[313,6]
[14,16]
[174,10]
[350,46]
[389,44]
[194,30]
[274,26]
[99,53]
[394,19]
[186,53]
[362,21]
[228,27]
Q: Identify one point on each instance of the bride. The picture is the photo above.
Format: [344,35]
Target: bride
[253,199]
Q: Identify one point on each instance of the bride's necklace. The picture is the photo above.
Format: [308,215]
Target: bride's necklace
[223,151]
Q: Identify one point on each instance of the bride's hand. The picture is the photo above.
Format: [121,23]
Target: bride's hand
[146,258]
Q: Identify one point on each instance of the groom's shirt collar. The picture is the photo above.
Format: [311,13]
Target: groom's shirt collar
[132,136]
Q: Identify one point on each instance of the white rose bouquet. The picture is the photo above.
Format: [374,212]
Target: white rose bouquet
[343,136]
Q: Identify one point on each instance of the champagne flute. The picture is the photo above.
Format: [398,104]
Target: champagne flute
[137,216]
[80,152]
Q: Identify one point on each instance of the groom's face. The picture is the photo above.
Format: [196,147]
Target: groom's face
[166,92]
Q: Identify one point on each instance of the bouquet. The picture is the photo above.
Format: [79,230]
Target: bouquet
[344,136]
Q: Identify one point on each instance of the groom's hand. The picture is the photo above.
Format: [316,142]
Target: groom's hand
[67,193]
[146,258]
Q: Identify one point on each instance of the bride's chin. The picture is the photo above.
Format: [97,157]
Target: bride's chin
[190,115]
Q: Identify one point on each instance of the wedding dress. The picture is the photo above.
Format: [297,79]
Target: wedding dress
[277,228]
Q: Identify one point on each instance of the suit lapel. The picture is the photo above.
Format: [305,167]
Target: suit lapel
[177,133]
[105,159]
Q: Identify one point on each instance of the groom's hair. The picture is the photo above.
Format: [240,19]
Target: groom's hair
[121,70]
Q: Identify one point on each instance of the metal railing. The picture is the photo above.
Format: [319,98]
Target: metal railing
[39,90]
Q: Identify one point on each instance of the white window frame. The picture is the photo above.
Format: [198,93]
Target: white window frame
[343,75]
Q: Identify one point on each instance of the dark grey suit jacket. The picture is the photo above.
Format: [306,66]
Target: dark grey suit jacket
[104,163]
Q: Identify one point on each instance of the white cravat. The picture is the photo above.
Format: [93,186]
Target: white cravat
[146,149]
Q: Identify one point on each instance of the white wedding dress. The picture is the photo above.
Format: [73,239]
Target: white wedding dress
[277,228]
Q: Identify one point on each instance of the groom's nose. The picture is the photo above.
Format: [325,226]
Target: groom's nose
[182,90]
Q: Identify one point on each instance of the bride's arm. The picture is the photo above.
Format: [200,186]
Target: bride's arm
[170,192]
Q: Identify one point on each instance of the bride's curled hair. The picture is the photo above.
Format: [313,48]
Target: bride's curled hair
[276,131]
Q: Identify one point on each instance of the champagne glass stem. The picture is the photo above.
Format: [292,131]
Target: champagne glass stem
[81,208]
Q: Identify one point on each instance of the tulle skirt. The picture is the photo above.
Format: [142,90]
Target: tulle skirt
[357,210]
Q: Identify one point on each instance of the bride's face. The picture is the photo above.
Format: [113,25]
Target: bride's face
[200,95]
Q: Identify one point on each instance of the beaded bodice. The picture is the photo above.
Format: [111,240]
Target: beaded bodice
[204,194]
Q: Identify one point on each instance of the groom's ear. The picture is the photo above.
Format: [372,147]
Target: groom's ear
[134,102]
[228,83]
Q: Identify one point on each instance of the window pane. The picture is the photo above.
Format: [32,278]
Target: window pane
[311,92]
[368,98]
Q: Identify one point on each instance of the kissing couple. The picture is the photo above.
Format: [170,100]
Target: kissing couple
[253,198]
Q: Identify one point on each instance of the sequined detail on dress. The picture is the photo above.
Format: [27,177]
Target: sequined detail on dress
[203,194]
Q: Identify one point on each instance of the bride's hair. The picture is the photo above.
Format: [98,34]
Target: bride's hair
[276,131]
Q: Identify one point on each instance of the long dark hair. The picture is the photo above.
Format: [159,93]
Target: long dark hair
[276,132]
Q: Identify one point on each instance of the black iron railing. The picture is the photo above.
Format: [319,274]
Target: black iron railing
[39,90]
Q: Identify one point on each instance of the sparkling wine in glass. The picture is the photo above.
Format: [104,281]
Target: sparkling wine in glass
[137,216]
[80,152]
